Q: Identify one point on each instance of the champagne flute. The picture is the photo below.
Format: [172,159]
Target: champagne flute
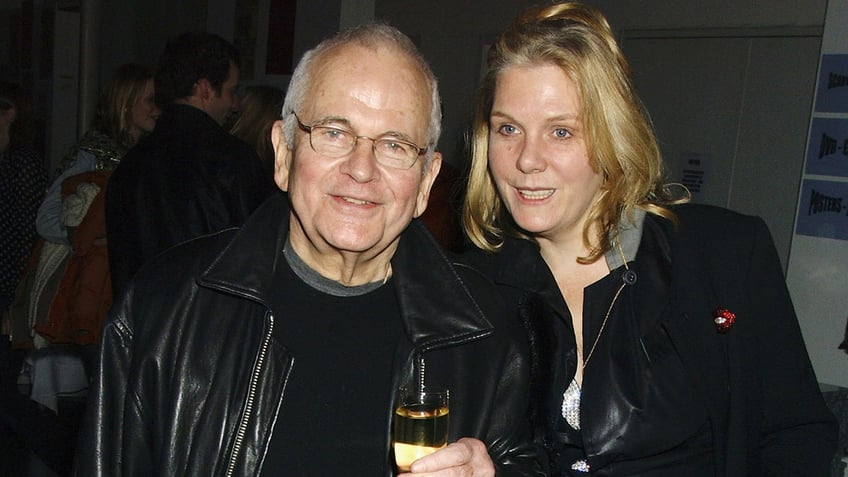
[420,424]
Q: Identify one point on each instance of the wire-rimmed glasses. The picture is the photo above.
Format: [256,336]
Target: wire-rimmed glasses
[333,141]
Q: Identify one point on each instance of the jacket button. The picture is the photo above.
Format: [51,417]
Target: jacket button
[629,277]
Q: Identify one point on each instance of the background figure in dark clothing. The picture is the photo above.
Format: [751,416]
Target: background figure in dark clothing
[23,179]
[260,107]
[190,177]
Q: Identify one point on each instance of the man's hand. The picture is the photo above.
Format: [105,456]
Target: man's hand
[466,457]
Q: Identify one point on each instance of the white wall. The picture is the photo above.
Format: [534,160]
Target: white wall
[818,266]
[452,33]
[717,98]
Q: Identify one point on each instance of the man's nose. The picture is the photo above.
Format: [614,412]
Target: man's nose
[361,163]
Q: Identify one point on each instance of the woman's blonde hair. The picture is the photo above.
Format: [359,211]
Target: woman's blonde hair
[619,135]
[114,110]
[260,107]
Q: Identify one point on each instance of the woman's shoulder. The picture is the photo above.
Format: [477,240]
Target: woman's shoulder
[724,236]
[708,223]
[516,268]
[102,146]
[514,256]
[481,260]
[704,215]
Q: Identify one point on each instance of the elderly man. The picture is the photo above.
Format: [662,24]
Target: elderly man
[277,349]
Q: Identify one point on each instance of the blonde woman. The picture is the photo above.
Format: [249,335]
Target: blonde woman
[125,112]
[667,340]
[260,106]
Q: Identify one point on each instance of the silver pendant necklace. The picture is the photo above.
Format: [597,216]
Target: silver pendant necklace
[571,396]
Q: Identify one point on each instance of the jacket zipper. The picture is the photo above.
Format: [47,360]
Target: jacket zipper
[251,396]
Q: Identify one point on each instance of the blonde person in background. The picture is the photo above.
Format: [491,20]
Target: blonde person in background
[125,112]
[669,343]
[190,176]
[260,107]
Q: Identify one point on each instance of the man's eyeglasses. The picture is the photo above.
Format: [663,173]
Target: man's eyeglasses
[332,141]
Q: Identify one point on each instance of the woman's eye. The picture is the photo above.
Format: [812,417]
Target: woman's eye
[507,129]
[561,133]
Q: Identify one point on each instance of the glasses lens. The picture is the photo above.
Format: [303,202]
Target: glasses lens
[393,153]
[335,142]
[331,142]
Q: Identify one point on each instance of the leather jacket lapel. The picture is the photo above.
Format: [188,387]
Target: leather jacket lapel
[246,266]
[436,304]
[437,307]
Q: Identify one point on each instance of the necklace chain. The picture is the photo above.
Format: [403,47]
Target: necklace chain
[609,310]
[603,325]
[571,398]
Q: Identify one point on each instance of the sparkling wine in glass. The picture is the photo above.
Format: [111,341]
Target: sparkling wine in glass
[420,425]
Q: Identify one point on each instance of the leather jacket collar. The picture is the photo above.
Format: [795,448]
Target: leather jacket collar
[646,314]
[653,269]
[437,307]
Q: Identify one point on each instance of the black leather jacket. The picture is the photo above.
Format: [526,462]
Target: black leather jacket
[192,379]
[661,367]
[190,177]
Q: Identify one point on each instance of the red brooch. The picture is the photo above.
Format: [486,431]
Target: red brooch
[723,319]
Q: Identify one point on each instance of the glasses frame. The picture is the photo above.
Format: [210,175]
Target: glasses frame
[307,128]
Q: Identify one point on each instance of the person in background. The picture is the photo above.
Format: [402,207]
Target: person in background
[276,348]
[671,342]
[23,178]
[260,107]
[78,294]
[71,280]
[126,111]
[190,176]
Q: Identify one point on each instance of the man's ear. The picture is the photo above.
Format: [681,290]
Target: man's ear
[282,155]
[204,89]
[427,180]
